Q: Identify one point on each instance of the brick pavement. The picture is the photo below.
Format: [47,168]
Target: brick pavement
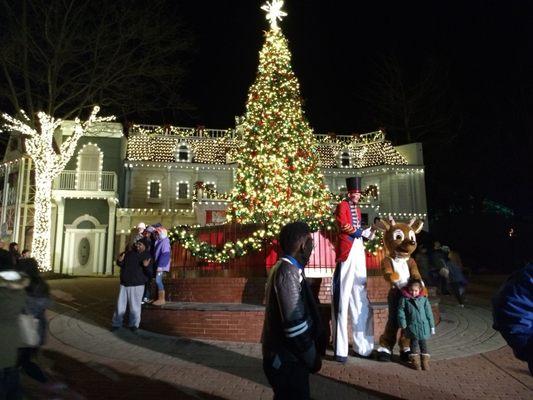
[470,362]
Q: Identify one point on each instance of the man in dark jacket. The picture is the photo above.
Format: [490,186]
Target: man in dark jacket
[292,324]
[132,279]
[512,309]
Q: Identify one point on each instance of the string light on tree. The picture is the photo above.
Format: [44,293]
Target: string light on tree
[278,176]
[48,165]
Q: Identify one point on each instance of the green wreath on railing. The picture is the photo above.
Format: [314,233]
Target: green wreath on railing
[186,236]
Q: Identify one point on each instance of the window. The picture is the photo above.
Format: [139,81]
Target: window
[345,159]
[183,154]
[89,168]
[154,189]
[210,190]
[182,190]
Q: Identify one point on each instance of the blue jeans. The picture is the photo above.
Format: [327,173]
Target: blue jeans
[419,345]
[159,280]
[10,384]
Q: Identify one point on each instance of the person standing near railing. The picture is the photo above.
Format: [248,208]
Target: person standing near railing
[162,262]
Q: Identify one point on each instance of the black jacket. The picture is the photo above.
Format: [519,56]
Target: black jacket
[292,322]
[132,271]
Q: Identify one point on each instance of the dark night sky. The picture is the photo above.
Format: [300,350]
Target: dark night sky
[487,46]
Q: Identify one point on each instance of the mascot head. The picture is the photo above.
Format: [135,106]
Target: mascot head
[400,238]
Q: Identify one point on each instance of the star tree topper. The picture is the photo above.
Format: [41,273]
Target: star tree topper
[274,12]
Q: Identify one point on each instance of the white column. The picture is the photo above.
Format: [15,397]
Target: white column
[101,260]
[18,201]
[5,194]
[110,237]
[60,222]
[67,254]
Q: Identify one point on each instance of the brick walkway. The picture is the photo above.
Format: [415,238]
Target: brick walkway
[470,360]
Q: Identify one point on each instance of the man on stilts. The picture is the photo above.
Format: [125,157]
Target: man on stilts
[349,279]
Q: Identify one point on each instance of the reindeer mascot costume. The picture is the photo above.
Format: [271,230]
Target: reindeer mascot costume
[397,268]
[349,279]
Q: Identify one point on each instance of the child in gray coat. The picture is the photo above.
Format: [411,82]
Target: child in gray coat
[416,319]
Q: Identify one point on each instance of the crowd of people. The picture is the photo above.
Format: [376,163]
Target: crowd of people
[442,267]
[144,262]
[292,327]
[292,340]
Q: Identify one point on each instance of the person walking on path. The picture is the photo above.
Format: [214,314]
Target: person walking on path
[512,310]
[349,279]
[437,257]
[132,279]
[161,262]
[292,323]
[12,301]
[415,317]
[37,301]
[455,279]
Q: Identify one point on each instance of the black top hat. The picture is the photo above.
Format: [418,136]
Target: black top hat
[353,184]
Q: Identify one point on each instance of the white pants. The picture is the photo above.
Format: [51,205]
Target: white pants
[129,296]
[349,295]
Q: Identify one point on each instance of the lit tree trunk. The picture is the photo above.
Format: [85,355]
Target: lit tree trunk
[42,221]
[48,165]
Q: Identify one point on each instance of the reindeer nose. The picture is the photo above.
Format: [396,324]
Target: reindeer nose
[412,242]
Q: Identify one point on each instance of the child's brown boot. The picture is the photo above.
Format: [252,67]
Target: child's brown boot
[425,361]
[414,360]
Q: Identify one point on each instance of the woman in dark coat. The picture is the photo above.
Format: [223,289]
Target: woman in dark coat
[37,301]
[12,300]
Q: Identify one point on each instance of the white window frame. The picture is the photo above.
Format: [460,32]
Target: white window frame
[179,150]
[178,190]
[342,157]
[98,171]
[148,190]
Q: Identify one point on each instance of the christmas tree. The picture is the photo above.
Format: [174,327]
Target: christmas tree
[278,178]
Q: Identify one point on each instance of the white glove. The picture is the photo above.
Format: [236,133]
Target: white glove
[432,331]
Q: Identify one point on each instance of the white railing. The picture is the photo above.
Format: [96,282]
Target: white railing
[364,138]
[200,132]
[193,133]
[87,180]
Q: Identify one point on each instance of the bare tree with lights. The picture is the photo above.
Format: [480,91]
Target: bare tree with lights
[60,57]
[48,165]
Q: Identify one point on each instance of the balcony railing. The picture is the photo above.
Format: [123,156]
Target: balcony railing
[87,180]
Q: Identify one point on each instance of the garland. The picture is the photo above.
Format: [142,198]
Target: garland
[230,250]
[372,246]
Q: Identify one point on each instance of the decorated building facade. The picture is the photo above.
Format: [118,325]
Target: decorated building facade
[180,176]
[183,176]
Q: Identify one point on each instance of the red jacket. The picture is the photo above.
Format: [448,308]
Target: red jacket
[343,217]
